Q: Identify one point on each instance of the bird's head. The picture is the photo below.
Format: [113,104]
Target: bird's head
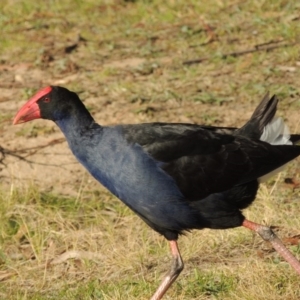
[52,102]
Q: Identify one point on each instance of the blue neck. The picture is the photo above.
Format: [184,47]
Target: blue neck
[75,125]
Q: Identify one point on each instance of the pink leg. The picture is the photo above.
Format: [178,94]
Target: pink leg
[268,235]
[176,268]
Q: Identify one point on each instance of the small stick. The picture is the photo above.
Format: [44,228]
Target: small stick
[239,53]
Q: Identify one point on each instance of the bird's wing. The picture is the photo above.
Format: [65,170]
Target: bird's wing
[204,161]
[169,141]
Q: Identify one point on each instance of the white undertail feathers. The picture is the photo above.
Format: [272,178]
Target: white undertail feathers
[275,132]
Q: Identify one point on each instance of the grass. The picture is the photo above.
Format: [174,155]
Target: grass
[128,67]
[38,227]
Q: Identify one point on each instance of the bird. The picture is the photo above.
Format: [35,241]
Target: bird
[176,177]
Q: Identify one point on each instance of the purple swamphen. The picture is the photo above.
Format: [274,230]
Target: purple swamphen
[176,177]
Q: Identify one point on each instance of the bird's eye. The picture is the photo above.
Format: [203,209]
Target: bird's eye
[46,100]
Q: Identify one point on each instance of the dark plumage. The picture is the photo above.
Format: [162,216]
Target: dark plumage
[176,177]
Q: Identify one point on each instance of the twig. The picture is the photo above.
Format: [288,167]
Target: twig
[32,150]
[261,47]
[74,254]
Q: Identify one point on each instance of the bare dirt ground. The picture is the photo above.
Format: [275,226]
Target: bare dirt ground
[122,85]
[38,152]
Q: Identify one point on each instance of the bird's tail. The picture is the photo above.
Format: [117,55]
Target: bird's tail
[267,127]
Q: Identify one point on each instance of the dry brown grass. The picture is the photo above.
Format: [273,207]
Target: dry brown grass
[83,251]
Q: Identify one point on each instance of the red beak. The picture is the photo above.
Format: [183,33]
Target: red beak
[30,110]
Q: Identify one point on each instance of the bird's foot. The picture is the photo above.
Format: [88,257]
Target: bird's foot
[170,277]
[268,235]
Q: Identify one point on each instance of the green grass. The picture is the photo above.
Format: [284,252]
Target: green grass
[130,69]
